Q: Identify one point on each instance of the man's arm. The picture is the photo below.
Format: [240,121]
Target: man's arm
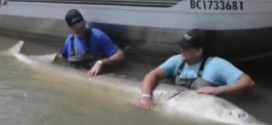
[112,53]
[117,57]
[244,83]
[148,84]
[110,50]
[151,80]
[234,79]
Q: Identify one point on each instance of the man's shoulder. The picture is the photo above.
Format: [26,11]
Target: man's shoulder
[217,62]
[216,59]
[97,32]
[175,57]
[68,38]
[170,65]
[174,60]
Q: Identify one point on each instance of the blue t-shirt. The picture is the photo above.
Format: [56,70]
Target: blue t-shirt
[100,44]
[216,70]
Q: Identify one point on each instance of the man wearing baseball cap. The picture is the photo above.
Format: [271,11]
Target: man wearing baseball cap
[194,69]
[88,47]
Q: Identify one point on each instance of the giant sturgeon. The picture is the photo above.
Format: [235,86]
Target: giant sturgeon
[170,99]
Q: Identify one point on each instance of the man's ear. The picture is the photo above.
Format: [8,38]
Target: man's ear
[199,51]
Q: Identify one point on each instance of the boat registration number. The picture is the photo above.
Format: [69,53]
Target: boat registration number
[226,5]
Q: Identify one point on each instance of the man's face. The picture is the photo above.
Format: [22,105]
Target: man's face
[190,54]
[79,29]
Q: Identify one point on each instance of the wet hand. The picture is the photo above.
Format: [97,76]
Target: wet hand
[95,70]
[209,90]
[146,103]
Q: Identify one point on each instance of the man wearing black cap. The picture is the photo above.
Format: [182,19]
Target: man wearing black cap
[88,47]
[195,70]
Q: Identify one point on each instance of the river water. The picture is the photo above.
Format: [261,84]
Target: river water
[31,98]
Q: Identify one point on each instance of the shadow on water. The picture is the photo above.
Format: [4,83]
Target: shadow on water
[259,70]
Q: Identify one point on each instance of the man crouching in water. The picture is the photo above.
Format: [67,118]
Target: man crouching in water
[194,70]
[88,48]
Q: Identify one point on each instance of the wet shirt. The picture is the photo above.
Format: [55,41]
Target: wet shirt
[216,70]
[100,44]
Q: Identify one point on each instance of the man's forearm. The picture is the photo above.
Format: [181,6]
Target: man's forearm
[151,80]
[116,58]
[243,84]
[149,83]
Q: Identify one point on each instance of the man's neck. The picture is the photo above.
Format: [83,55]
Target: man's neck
[193,62]
[83,35]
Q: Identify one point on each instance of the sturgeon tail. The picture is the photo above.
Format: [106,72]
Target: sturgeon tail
[15,51]
[16,48]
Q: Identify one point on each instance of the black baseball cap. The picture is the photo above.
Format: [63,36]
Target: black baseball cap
[74,19]
[193,39]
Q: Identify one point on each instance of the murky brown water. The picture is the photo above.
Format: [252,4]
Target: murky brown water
[30,98]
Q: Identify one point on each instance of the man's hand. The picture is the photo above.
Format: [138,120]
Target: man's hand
[146,103]
[95,69]
[210,90]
